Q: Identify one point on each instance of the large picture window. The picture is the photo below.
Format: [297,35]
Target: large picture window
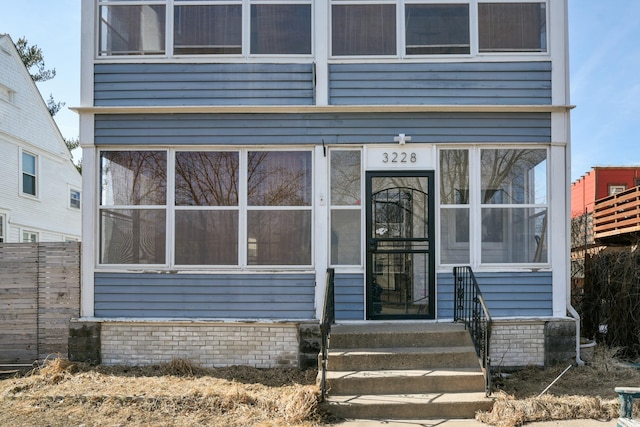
[506,189]
[194,214]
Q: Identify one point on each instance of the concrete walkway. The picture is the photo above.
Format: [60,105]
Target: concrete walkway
[469,423]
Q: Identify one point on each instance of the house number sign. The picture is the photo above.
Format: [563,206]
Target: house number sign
[400,157]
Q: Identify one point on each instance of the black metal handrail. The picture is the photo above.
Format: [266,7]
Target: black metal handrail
[328,319]
[471,308]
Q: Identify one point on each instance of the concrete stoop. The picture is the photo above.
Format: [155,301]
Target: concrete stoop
[403,370]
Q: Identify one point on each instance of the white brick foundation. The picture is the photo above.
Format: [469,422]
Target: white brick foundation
[205,344]
[517,343]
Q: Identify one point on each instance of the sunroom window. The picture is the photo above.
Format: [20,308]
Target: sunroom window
[346,207]
[280,29]
[195,214]
[493,206]
[207,28]
[512,27]
[433,29]
[363,29]
[132,29]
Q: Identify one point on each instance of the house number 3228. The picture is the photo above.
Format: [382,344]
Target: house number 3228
[399,157]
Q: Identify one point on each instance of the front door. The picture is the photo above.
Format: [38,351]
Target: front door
[400,250]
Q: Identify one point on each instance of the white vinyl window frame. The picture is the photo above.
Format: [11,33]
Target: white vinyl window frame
[170,209]
[475,207]
[26,172]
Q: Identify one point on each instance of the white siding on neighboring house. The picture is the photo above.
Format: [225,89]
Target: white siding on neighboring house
[26,126]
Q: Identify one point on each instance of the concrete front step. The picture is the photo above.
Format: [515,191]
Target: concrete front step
[408,406]
[384,335]
[405,381]
[370,359]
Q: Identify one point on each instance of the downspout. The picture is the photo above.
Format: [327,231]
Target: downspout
[572,311]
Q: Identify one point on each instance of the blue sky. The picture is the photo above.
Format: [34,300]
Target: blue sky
[604,58]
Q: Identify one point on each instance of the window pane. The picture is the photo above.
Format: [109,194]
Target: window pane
[345,237]
[132,236]
[281,29]
[132,30]
[454,177]
[74,199]
[514,235]
[514,176]
[367,29]
[512,27]
[279,178]
[345,178]
[133,177]
[206,237]
[279,238]
[437,29]
[28,163]
[208,29]
[207,178]
[454,235]
[28,184]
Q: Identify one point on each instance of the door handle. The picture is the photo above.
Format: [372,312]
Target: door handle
[373,244]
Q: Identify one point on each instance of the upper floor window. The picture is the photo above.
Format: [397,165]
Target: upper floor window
[205,27]
[615,189]
[29,176]
[512,27]
[429,27]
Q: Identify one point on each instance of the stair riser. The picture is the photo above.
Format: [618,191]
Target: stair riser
[410,411]
[406,385]
[409,339]
[372,362]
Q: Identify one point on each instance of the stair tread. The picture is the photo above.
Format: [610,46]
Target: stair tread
[396,327]
[408,399]
[395,350]
[391,373]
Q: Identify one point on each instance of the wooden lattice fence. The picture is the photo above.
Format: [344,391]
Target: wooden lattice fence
[39,294]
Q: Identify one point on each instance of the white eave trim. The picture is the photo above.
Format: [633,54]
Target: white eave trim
[288,109]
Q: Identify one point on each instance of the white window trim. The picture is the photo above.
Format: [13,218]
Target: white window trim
[37,174]
[169,208]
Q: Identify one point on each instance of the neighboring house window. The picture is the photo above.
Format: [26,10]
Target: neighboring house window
[29,237]
[74,199]
[512,27]
[346,207]
[206,27]
[29,177]
[7,94]
[615,189]
[210,207]
[508,195]
[3,228]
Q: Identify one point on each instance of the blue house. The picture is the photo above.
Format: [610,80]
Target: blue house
[235,151]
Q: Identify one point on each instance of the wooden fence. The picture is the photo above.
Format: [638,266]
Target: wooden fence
[39,294]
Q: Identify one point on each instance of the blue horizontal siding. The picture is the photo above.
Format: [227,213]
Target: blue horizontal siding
[349,296]
[203,84]
[526,294]
[490,83]
[255,296]
[316,128]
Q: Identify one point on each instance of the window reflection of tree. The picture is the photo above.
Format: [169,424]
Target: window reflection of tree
[345,177]
[279,178]
[135,177]
[207,178]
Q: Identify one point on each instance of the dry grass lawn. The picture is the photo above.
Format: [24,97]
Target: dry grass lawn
[61,393]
